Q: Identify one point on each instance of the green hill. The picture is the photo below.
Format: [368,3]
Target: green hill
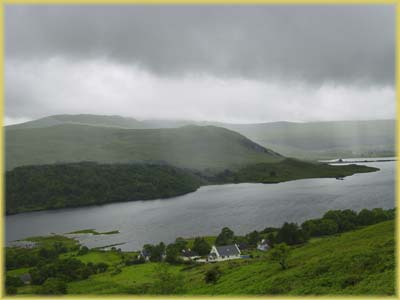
[359,262]
[187,147]
[310,140]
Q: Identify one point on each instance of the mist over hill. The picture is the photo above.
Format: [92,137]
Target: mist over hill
[194,147]
[312,140]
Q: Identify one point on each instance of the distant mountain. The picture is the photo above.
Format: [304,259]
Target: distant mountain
[324,139]
[82,119]
[313,140]
[196,147]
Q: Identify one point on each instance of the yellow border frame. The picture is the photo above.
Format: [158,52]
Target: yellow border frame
[201,2]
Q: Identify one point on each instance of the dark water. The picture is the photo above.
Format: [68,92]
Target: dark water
[242,207]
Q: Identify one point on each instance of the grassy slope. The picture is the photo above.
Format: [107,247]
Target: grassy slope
[360,262]
[189,147]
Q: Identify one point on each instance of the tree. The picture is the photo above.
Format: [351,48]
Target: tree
[11,290]
[181,243]
[157,252]
[280,254]
[101,267]
[379,215]
[345,219]
[201,246]
[212,275]
[83,250]
[226,237]
[172,253]
[365,217]
[53,286]
[291,234]
[253,238]
[59,247]
[271,239]
[319,227]
[13,281]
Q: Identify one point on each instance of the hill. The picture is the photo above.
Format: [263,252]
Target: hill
[324,139]
[310,140]
[82,119]
[196,147]
[359,262]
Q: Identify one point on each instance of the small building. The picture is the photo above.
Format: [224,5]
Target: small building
[189,255]
[145,254]
[221,253]
[263,245]
[243,246]
[26,278]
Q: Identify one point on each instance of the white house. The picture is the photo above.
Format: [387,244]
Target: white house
[221,253]
[263,246]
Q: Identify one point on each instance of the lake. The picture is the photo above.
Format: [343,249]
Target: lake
[242,207]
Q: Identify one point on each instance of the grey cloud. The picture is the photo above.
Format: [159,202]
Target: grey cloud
[313,44]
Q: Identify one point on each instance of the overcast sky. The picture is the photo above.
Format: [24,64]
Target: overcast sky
[219,63]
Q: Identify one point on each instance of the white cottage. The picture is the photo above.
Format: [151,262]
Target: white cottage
[263,246]
[221,253]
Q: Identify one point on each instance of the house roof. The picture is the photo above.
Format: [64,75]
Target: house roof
[228,250]
[189,253]
[145,253]
[25,277]
[243,246]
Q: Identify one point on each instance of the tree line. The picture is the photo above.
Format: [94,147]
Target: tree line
[77,184]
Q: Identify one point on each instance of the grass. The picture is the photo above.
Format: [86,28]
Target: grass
[92,231]
[48,241]
[130,279]
[360,262]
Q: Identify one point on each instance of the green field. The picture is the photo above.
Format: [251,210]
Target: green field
[359,262]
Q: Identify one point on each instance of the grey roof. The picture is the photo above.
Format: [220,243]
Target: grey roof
[228,250]
[145,253]
[189,253]
[25,277]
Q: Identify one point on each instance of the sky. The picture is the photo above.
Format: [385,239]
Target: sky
[238,64]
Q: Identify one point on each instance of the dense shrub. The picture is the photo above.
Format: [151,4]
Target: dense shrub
[212,275]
